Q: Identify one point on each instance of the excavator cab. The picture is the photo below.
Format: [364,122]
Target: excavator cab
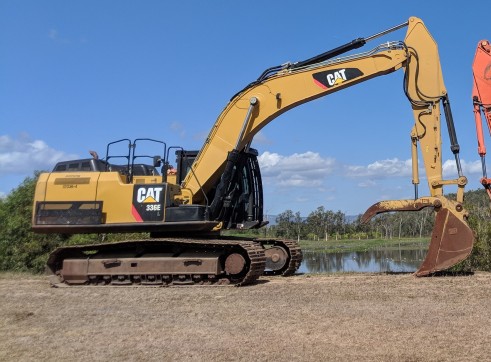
[184,161]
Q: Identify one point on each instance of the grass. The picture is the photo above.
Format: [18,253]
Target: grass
[302,318]
[351,245]
[15,275]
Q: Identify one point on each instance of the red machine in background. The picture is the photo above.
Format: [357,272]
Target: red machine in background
[481,98]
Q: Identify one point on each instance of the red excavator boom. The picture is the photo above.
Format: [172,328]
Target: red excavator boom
[481,98]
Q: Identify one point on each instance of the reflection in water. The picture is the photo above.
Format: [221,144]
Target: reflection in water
[372,261]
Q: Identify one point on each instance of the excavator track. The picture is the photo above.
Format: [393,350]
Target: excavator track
[159,262]
[283,257]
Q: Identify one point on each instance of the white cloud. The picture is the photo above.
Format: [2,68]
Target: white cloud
[390,168]
[178,128]
[24,155]
[293,175]
[261,139]
[381,169]
[365,184]
[307,169]
[54,35]
[468,168]
[310,169]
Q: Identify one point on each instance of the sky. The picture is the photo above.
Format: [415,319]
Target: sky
[77,75]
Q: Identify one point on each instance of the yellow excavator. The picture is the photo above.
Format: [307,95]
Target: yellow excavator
[220,187]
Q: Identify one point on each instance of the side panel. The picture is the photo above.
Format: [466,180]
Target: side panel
[80,186]
[131,203]
[122,203]
[39,193]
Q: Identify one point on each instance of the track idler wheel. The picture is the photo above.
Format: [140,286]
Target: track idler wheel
[276,258]
[451,239]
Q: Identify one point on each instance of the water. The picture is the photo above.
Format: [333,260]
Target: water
[373,261]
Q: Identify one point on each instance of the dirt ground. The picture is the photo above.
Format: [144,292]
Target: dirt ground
[339,317]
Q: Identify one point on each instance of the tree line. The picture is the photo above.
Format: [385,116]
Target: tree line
[323,224]
[23,250]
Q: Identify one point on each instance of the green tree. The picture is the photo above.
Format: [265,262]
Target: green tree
[285,224]
[20,248]
[323,223]
[23,250]
[478,205]
[317,223]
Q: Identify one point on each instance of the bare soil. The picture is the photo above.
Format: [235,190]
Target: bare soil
[339,317]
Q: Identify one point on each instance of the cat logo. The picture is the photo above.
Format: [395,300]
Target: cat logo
[150,194]
[336,77]
[331,78]
[148,203]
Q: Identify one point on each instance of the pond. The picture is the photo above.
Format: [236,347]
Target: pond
[373,261]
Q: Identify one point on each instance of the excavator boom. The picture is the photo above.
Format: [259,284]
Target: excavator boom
[282,88]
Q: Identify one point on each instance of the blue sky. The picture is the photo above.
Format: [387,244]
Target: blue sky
[77,75]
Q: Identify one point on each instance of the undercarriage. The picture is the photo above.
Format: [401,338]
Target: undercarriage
[174,261]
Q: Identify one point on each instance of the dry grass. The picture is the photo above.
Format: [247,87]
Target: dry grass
[330,317]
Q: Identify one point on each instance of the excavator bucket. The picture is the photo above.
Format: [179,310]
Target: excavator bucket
[451,239]
[451,242]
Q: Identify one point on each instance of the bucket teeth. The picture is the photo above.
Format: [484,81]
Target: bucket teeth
[451,239]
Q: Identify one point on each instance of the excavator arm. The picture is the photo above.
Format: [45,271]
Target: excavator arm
[451,239]
[481,99]
[284,87]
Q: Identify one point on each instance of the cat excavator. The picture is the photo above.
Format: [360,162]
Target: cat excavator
[219,187]
[481,99]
